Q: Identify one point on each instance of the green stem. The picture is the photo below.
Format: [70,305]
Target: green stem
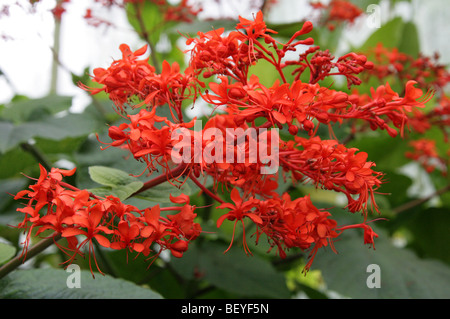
[56,45]
[144,34]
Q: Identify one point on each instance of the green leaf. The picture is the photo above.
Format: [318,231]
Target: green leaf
[403,274]
[123,184]
[161,193]
[234,271]
[5,131]
[22,110]
[7,251]
[151,19]
[53,128]
[108,176]
[10,186]
[83,78]
[15,162]
[389,34]
[65,146]
[265,72]
[115,181]
[395,187]
[121,191]
[393,154]
[203,26]
[409,41]
[430,230]
[52,284]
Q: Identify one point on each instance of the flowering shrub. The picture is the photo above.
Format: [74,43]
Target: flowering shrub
[259,157]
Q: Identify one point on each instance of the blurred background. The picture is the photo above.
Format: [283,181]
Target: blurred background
[27,36]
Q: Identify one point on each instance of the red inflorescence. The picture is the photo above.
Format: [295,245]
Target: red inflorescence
[249,106]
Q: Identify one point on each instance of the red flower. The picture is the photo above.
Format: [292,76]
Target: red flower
[88,222]
[168,234]
[123,78]
[254,29]
[342,10]
[425,153]
[126,234]
[369,234]
[238,212]
[331,165]
[184,221]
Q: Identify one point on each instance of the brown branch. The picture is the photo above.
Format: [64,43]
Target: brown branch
[33,251]
[205,190]
[176,172]
[420,201]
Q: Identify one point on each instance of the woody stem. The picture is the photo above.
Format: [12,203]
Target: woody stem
[37,154]
[420,201]
[177,171]
[33,251]
[205,190]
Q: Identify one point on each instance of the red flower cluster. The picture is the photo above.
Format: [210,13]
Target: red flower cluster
[180,12]
[251,108]
[287,223]
[321,65]
[385,106]
[73,213]
[332,166]
[337,12]
[426,71]
[147,142]
[299,106]
[421,121]
[129,78]
[425,152]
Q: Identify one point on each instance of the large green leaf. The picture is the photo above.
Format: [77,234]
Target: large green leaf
[234,271]
[150,22]
[122,184]
[121,191]
[385,151]
[23,109]
[7,251]
[15,162]
[389,34]
[65,146]
[403,275]
[52,284]
[409,42]
[394,188]
[5,131]
[430,232]
[161,193]
[202,26]
[53,128]
[109,176]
